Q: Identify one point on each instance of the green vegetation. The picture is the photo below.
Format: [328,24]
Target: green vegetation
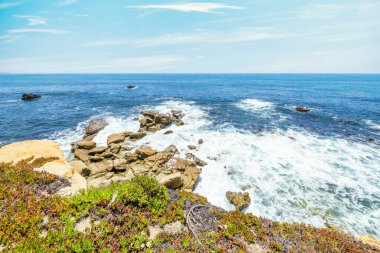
[33,219]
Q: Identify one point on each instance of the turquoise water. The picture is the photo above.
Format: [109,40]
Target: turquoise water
[326,173]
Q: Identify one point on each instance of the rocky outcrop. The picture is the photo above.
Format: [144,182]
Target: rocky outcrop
[29,96]
[153,122]
[370,241]
[38,149]
[131,86]
[239,199]
[94,127]
[301,108]
[115,138]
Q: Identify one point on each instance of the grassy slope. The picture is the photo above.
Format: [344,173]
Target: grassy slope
[122,214]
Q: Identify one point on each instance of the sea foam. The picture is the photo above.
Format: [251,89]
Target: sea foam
[291,175]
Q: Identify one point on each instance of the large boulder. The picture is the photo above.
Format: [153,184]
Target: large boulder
[101,167]
[95,126]
[189,172]
[85,144]
[239,199]
[29,96]
[80,167]
[172,181]
[16,152]
[82,154]
[97,150]
[136,136]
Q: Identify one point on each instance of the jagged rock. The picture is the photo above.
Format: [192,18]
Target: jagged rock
[172,149]
[155,127]
[145,121]
[115,148]
[173,228]
[148,113]
[130,157]
[144,152]
[189,172]
[301,108]
[82,154]
[136,136]
[80,167]
[83,225]
[120,164]
[172,181]
[115,138]
[29,96]
[159,159]
[177,114]
[95,126]
[97,150]
[85,144]
[164,119]
[168,132]
[100,167]
[191,147]
[238,199]
[194,158]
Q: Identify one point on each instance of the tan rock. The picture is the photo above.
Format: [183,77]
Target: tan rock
[164,119]
[97,150]
[107,154]
[191,147]
[145,151]
[136,135]
[15,152]
[95,126]
[238,199]
[145,121]
[148,113]
[78,184]
[80,167]
[86,144]
[96,158]
[120,164]
[115,148]
[130,157]
[197,160]
[172,181]
[82,154]
[158,159]
[179,122]
[139,168]
[100,167]
[155,127]
[189,172]
[115,138]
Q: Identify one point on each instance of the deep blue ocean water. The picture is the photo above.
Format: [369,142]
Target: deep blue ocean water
[326,173]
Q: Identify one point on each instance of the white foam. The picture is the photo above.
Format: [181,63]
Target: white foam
[65,137]
[372,124]
[311,179]
[255,105]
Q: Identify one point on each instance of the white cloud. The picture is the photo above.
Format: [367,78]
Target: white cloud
[8,4]
[33,20]
[27,30]
[244,35]
[189,7]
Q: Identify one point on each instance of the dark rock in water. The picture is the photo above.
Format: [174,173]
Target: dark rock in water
[301,108]
[370,139]
[168,132]
[131,86]
[30,96]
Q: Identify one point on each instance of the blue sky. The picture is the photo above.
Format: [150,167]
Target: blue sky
[146,36]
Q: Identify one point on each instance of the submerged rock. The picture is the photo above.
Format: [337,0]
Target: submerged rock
[30,96]
[239,199]
[131,86]
[301,108]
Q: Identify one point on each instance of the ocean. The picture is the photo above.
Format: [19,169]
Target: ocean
[317,168]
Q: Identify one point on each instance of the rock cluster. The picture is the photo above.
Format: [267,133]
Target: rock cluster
[119,161]
[153,122]
[239,199]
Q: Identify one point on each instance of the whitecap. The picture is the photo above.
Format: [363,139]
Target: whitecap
[255,105]
[372,124]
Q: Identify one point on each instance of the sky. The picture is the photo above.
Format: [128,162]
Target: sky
[170,36]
